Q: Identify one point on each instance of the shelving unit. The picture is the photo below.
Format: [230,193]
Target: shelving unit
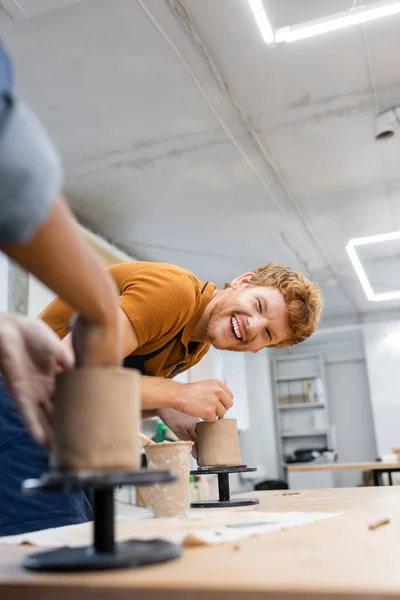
[291,434]
[301,405]
[288,379]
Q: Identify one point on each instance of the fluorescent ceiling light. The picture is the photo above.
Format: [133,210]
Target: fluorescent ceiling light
[394,336]
[262,20]
[337,21]
[359,269]
[373,239]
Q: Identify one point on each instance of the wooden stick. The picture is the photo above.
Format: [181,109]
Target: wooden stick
[377,524]
[222,416]
[145,439]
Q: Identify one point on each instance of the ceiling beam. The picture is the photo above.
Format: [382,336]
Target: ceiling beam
[109,254]
[15,9]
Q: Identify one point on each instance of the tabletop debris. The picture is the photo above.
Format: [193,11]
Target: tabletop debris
[377,524]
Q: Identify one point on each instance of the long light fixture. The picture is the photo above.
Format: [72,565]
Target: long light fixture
[262,20]
[301,31]
[359,269]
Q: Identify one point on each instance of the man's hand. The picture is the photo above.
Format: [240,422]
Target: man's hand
[183,426]
[31,355]
[205,399]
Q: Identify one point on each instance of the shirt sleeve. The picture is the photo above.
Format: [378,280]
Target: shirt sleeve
[30,175]
[159,304]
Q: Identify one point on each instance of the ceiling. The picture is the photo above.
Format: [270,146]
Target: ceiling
[186,139]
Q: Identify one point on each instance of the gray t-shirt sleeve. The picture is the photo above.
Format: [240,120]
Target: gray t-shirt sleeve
[30,175]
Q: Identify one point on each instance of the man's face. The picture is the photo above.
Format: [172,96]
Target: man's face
[246,318]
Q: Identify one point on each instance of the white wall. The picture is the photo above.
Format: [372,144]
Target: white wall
[39,296]
[203,370]
[258,443]
[383,363]
[351,410]
[231,368]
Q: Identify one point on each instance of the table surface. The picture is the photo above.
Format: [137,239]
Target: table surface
[337,558]
[334,466]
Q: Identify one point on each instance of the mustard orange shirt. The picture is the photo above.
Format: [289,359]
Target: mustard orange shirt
[160,300]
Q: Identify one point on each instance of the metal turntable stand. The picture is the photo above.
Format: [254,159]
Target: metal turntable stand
[225,499]
[104,552]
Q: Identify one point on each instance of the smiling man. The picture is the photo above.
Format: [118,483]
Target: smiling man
[170,319]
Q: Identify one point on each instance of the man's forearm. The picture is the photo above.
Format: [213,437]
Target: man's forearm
[157,393]
[203,399]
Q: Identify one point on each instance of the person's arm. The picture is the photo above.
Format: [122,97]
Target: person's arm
[30,352]
[205,399]
[39,232]
[60,257]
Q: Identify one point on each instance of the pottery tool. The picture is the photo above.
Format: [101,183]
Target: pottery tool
[221,417]
[145,439]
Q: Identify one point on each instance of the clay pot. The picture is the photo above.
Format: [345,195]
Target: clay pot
[396,452]
[218,443]
[170,499]
[96,420]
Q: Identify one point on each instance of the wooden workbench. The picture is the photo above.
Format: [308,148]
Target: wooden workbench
[334,466]
[378,468]
[338,558]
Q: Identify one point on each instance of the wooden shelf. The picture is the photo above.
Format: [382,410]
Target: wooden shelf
[304,434]
[305,405]
[304,378]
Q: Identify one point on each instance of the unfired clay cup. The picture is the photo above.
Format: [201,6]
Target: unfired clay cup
[96,420]
[218,443]
[170,499]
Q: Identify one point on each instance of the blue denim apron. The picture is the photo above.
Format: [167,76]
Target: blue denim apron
[139,362]
[21,458]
